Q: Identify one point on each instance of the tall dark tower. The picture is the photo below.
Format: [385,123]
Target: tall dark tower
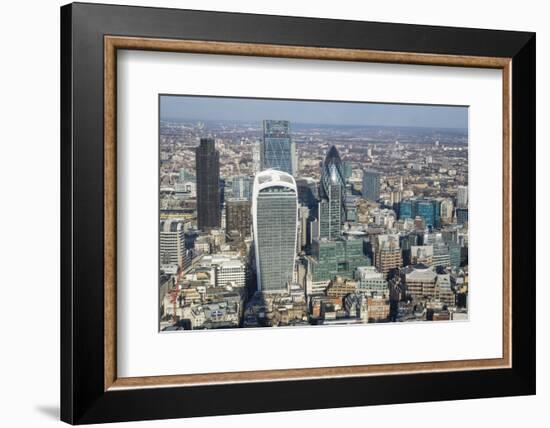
[208,185]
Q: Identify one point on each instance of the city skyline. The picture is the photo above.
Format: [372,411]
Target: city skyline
[313,112]
[350,226]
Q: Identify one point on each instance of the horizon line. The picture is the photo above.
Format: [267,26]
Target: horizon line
[312,123]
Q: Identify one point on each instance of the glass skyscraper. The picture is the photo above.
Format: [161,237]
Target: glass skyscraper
[427,209]
[371,185]
[208,185]
[332,192]
[274,219]
[278,150]
[241,187]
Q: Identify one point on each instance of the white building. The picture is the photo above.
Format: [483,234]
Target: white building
[274,221]
[422,254]
[462,196]
[446,210]
[224,270]
[370,281]
[172,243]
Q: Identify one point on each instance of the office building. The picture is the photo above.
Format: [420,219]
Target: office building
[278,150]
[208,185]
[462,216]
[446,294]
[454,254]
[256,157]
[172,243]
[387,253]
[441,256]
[238,216]
[371,185]
[274,219]
[422,254]
[462,197]
[241,187]
[332,192]
[420,281]
[378,308]
[371,282]
[339,287]
[223,270]
[340,257]
[350,208]
[427,209]
[446,210]
[303,227]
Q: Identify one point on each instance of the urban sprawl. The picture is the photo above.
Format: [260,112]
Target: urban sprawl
[264,225]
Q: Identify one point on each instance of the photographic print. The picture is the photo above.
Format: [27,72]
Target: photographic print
[286,213]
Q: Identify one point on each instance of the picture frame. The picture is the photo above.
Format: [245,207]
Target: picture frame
[91,391]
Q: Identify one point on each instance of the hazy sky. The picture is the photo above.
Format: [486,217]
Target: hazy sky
[313,112]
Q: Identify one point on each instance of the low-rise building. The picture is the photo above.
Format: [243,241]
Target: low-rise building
[371,281]
[378,308]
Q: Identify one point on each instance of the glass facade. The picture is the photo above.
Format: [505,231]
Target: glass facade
[278,150]
[330,213]
[241,187]
[454,254]
[275,227]
[339,257]
[208,185]
[371,185]
[427,209]
[332,191]
[462,215]
[406,209]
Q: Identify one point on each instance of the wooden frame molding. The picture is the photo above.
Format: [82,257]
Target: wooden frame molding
[113,43]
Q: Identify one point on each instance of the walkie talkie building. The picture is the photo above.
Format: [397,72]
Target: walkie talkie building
[274,219]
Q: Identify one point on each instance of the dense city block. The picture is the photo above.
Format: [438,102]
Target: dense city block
[272,223]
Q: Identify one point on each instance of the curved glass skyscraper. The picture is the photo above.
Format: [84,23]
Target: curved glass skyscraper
[274,220]
[332,191]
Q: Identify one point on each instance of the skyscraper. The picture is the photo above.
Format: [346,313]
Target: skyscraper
[332,192]
[428,210]
[241,187]
[462,197]
[308,194]
[447,210]
[371,185]
[208,185]
[256,157]
[274,219]
[278,150]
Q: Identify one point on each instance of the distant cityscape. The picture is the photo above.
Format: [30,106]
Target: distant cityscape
[277,223]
